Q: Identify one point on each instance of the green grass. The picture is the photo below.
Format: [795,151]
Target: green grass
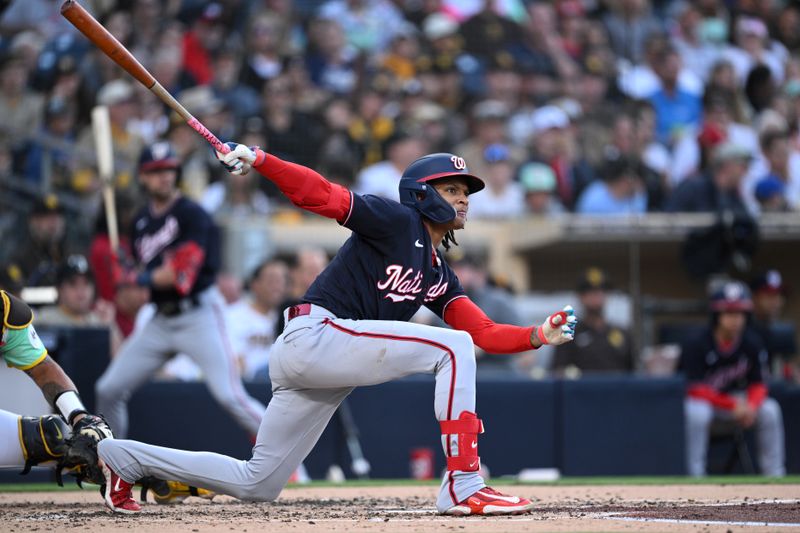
[564,482]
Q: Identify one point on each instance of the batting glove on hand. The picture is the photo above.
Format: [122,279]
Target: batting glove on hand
[239,160]
[558,328]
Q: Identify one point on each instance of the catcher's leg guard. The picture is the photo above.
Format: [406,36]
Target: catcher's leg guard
[42,439]
[466,428]
[165,492]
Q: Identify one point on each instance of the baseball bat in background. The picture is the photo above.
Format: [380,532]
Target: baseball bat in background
[100,37]
[101,128]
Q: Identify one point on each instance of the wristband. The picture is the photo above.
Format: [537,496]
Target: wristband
[540,336]
[144,279]
[261,155]
[69,404]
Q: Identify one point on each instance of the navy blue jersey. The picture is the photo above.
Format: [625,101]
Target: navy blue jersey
[703,362]
[387,269]
[184,221]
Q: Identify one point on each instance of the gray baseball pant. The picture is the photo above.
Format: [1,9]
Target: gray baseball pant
[201,334]
[314,365]
[700,415]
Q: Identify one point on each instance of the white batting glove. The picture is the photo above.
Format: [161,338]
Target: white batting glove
[239,160]
[558,328]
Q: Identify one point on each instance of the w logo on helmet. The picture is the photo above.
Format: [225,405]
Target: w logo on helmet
[458,162]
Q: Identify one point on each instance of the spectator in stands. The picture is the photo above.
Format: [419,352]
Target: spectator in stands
[44,245]
[369,25]
[242,99]
[487,32]
[330,61]
[251,321]
[204,34]
[381,178]
[621,191]
[49,158]
[498,304]
[339,155]
[503,197]
[304,268]
[549,144]
[677,110]
[698,51]
[197,168]
[21,109]
[783,165]
[119,96]
[629,24]
[539,185]
[292,134]
[642,81]
[726,366]
[770,193]
[263,59]
[235,196]
[371,124]
[488,127]
[752,47]
[719,189]
[599,346]
[779,335]
[76,297]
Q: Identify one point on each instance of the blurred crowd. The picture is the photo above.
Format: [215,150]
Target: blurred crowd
[605,107]
[587,106]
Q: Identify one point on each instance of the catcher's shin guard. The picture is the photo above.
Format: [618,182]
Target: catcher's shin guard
[466,428]
[42,439]
[166,492]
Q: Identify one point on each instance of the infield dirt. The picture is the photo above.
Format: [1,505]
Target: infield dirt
[752,508]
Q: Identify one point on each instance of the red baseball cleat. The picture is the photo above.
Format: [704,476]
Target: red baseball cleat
[488,501]
[117,493]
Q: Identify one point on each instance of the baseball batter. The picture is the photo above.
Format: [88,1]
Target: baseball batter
[176,246]
[352,329]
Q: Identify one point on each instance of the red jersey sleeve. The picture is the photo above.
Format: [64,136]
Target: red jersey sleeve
[306,188]
[463,314]
[716,398]
[756,393]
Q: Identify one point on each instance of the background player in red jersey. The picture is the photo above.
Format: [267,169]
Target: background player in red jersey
[352,329]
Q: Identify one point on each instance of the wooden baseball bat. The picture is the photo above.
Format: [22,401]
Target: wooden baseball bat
[97,34]
[101,127]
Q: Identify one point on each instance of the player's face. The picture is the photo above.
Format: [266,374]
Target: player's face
[732,323]
[159,184]
[456,193]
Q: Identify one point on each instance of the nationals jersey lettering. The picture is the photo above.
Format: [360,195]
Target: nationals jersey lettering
[390,261]
[151,245]
[158,235]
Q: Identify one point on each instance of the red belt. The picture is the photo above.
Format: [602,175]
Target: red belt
[299,310]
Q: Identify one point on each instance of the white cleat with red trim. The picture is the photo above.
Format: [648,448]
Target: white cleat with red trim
[489,501]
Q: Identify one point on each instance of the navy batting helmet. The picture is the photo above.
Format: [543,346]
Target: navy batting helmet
[417,193]
[158,156]
[731,297]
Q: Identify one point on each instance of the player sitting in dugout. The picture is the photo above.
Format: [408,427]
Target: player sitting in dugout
[352,329]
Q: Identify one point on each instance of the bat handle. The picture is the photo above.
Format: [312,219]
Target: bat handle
[218,145]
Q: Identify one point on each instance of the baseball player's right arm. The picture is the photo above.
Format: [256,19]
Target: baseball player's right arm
[306,188]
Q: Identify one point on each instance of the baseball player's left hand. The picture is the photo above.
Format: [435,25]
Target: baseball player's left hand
[81,455]
[239,160]
[558,328]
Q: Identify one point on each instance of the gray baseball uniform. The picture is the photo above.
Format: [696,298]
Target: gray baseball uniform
[189,319]
[353,329]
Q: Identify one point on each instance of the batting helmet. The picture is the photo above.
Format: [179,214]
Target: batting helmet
[731,297]
[158,156]
[417,193]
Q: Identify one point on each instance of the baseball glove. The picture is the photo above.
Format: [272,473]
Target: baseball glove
[81,455]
